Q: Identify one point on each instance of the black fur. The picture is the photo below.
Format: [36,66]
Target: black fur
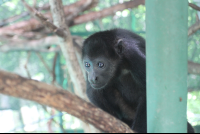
[120,87]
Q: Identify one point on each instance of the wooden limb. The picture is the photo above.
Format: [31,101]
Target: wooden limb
[49,24]
[17,86]
[195,27]
[13,18]
[193,68]
[34,3]
[66,44]
[82,8]
[22,15]
[25,65]
[44,63]
[67,48]
[37,45]
[197,17]
[106,12]
[45,20]
[54,66]
[191,89]
[33,24]
[30,9]
[194,6]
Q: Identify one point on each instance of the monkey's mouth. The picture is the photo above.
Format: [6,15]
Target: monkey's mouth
[98,86]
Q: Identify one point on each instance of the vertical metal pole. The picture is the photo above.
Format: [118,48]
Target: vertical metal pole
[166,51]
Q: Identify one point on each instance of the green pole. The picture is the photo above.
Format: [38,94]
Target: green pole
[166,53]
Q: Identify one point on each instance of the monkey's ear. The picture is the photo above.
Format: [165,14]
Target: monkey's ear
[119,46]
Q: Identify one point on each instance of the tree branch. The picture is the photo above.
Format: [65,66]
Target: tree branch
[37,45]
[13,18]
[22,15]
[25,66]
[193,68]
[191,89]
[195,27]
[106,12]
[33,24]
[17,86]
[194,6]
[67,48]
[82,8]
[44,63]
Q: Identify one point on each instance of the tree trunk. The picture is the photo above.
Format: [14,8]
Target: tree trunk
[17,86]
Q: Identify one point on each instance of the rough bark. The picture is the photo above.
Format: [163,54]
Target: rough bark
[67,48]
[17,86]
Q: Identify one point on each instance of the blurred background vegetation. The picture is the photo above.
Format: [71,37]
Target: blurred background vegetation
[18,115]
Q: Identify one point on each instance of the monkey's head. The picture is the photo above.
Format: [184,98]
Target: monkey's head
[101,58]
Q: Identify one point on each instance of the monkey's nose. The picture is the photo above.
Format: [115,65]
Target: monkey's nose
[94,80]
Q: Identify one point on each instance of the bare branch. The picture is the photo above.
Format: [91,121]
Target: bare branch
[33,24]
[193,68]
[195,27]
[67,48]
[17,86]
[37,45]
[13,18]
[54,66]
[30,9]
[25,66]
[194,6]
[106,12]
[78,11]
[22,15]
[50,25]
[44,63]
[197,17]
[191,89]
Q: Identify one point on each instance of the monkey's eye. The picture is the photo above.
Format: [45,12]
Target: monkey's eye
[100,64]
[87,64]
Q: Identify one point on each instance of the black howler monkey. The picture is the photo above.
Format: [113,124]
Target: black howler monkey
[115,63]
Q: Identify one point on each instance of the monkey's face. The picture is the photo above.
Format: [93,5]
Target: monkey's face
[100,71]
